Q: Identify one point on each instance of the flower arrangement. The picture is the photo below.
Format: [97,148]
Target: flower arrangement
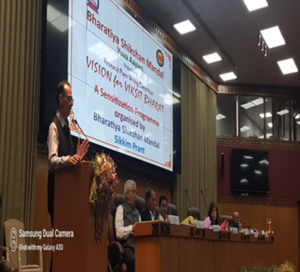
[102,192]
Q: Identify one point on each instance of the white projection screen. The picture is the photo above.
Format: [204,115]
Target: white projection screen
[121,79]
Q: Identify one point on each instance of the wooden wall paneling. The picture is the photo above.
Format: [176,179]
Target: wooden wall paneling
[174,251]
[284,224]
[226,256]
[263,253]
[165,254]
[148,247]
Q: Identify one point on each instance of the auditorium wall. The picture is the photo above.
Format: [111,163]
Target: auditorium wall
[281,204]
[283,166]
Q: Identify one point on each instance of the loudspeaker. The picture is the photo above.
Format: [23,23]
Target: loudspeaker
[222,165]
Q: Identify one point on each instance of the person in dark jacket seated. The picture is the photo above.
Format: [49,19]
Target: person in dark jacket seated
[148,214]
[235,221]
[125,221]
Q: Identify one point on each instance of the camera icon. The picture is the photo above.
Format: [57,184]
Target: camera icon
[13,239]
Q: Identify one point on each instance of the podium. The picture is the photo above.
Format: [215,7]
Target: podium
[74,213]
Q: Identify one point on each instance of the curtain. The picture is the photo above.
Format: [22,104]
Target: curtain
[20,39]
[198,146]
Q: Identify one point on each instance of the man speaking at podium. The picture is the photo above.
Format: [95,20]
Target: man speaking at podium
[60,146]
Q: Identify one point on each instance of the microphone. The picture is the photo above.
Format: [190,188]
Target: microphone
[204,200]
[77,124]
[187,198]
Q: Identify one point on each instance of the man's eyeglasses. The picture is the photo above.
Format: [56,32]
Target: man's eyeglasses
[134,192]
[70,98]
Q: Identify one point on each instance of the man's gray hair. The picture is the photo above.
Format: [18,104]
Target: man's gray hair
[128,183]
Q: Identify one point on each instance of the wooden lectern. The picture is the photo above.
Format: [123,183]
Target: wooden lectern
[73,212]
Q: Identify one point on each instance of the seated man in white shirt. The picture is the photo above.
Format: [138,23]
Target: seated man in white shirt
[163,207]
[126,218]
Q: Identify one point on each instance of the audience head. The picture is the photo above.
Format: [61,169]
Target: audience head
[236,219]
[130,192]
[150,200]
[64,98]
[163,206]
[213,213]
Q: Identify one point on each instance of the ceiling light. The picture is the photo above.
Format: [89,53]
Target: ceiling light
[243,181]
[257,172]
[297,116]
[248,105]
[212,58]
[258,101]
[298,123]
[248,157]
[283,112]
[270,125]
[220,116]
[268,114]
[244,165]
[228,76]
[184,27]
[244,128]
[287,66]
[255,4]
[273,37]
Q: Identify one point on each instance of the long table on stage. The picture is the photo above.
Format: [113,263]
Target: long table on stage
[161,246]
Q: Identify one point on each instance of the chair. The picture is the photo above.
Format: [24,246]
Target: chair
[194,212]
[172,210]
[17,259]
[115,249]
[222,218]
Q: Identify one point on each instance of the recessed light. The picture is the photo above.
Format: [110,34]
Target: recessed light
[258,101]
[248,105]
[244,128]
[184,27]
[298,123]
[257,172]
[255,4]
[212,58]
[287,66]
[273,37]
[220,116]
[270,125]
[282,112]
[228,76]
[244,165]
[248,157]
[297,116]
[268,114]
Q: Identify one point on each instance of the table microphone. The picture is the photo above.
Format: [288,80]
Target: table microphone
[77,124]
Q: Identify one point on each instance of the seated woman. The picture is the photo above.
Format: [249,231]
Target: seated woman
[213,214]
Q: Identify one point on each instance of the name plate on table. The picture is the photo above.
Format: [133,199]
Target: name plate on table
[174,219]
[256,234]
[199,224]
[246,231]
[266,234]
[234,230]
[216,228]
